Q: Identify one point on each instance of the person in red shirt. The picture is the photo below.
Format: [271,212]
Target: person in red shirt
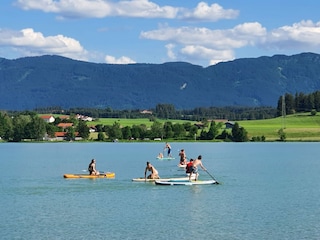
[189,166]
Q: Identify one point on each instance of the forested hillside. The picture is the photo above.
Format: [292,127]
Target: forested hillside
[48,81]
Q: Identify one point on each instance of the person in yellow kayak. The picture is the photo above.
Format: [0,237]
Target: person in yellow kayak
[92,168]
[154,173]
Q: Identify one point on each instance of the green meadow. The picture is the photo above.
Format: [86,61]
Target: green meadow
[297,127]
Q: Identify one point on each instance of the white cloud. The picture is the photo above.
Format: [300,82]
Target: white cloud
[69,8]
[205,43]
[170,47]
[219,45]
[144,8]
[126,8]
[304,35]
[204,12]
[30,43]
[34,43]
[100,8]
[121,60]
[237,37]
[214,56]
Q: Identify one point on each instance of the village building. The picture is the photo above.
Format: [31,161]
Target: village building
[48,118]
[65,125]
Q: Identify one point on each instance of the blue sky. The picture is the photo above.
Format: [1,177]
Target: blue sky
[156,31]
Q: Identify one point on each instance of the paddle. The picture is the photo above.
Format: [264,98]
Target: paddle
[211,176]
[88,171]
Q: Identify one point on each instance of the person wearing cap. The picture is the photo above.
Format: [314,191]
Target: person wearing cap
[92,168]
[154,173]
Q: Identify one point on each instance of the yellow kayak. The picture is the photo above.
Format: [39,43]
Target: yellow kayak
[102,175]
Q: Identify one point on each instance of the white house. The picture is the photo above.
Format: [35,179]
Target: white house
[48,118]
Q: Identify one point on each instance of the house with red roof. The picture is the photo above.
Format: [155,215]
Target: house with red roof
[48,118]
[65,125]
[61,136]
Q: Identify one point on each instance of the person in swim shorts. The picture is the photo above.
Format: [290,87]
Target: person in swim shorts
[154,173]
[197,162]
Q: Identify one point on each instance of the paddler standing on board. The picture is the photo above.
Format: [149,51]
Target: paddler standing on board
[183,157]
[197,162]
[189,167]
[154,173]
[167,146]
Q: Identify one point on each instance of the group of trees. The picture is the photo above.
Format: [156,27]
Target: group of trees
[157,130]
[168,130]
[23,126]
[168,111]
[29,126]
[299,102]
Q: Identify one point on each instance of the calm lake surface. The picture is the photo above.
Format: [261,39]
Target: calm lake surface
[267,191]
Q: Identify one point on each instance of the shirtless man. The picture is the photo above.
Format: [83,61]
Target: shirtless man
[154,173]
[196,163]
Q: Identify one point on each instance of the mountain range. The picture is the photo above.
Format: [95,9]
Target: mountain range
[54,81]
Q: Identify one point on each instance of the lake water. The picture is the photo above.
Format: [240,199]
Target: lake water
[267,191]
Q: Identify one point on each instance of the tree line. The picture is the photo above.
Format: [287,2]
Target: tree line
[176,131]
[29,126]
[300,102]
[168,111]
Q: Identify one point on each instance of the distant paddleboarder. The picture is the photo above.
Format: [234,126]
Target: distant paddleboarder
[183,157]
[168,147]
